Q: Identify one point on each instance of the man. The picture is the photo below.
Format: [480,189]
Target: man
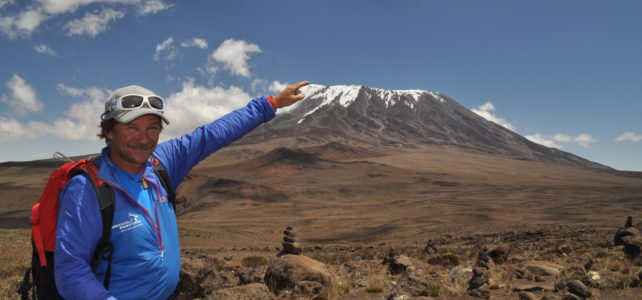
[146,260]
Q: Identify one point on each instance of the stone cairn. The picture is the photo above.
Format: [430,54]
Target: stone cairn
[630,236]
[292,275]
[481,276]
[290,246]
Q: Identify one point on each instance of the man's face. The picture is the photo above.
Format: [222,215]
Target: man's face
[132,143]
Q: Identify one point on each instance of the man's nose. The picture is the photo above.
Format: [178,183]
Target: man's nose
[143,137]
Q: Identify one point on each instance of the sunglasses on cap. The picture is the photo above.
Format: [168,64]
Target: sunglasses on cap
[129,102]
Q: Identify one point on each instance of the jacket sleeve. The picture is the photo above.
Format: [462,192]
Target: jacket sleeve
[78,231]
[180,155]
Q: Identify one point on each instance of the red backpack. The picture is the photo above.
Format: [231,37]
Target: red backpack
[44,216]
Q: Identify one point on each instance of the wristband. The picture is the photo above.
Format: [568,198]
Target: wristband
[269,98]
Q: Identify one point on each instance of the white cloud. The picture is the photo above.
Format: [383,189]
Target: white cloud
[80,122]
[488,106]
[76,92]
[629,136]
[582,139]
[45,49]
[196,105]
[256,83]
[12,129]
[144,7]
[6,27]
[543,140]
[23,97]
[562,138]
[166,50]
[277,86]
[23,24]
[91,93]
[29,20]
[5,2]
[152,7]
[93,24]
[191,107]
[485,111]
[82,118]
[55,7]
[195,42]
[234,54]
[209,69]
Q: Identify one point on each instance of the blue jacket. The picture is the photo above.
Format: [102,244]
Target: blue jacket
[146,262]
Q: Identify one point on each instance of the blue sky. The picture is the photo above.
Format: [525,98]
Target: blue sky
[566,74]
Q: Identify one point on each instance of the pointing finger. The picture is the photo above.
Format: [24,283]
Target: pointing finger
[299,85]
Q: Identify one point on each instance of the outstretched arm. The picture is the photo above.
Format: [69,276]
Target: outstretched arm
[181,154]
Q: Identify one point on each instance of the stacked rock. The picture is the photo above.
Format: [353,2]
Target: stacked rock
[626,234]
[290,246]
[630,236]
[480,271]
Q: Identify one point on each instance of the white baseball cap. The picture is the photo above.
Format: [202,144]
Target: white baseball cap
[128,103]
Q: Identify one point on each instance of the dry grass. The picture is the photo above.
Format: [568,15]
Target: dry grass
[254,261]
[15,258]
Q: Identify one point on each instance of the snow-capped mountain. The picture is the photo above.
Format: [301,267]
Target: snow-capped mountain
[402,118]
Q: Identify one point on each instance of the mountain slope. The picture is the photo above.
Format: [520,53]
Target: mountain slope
[400,118]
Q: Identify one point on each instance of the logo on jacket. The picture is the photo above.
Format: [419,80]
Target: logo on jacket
[163,199]
[133,217]
[133,222]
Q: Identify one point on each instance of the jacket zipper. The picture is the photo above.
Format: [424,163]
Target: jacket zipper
[156,228]
[156,201]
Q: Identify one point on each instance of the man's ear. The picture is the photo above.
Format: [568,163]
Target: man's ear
[109,134]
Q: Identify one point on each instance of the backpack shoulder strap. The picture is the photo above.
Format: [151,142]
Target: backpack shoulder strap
[105,248]
[162,173]
[105,196]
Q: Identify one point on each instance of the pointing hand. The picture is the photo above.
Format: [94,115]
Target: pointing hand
[290,95]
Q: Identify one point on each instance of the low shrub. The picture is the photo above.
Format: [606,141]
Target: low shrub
[254,261]
[434,289]
[447,259]
[342,289]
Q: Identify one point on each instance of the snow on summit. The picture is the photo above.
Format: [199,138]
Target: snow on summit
[345,95]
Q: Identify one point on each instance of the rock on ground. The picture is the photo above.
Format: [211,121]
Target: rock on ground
[299,273]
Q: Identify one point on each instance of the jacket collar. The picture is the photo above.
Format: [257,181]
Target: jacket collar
[107,169]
